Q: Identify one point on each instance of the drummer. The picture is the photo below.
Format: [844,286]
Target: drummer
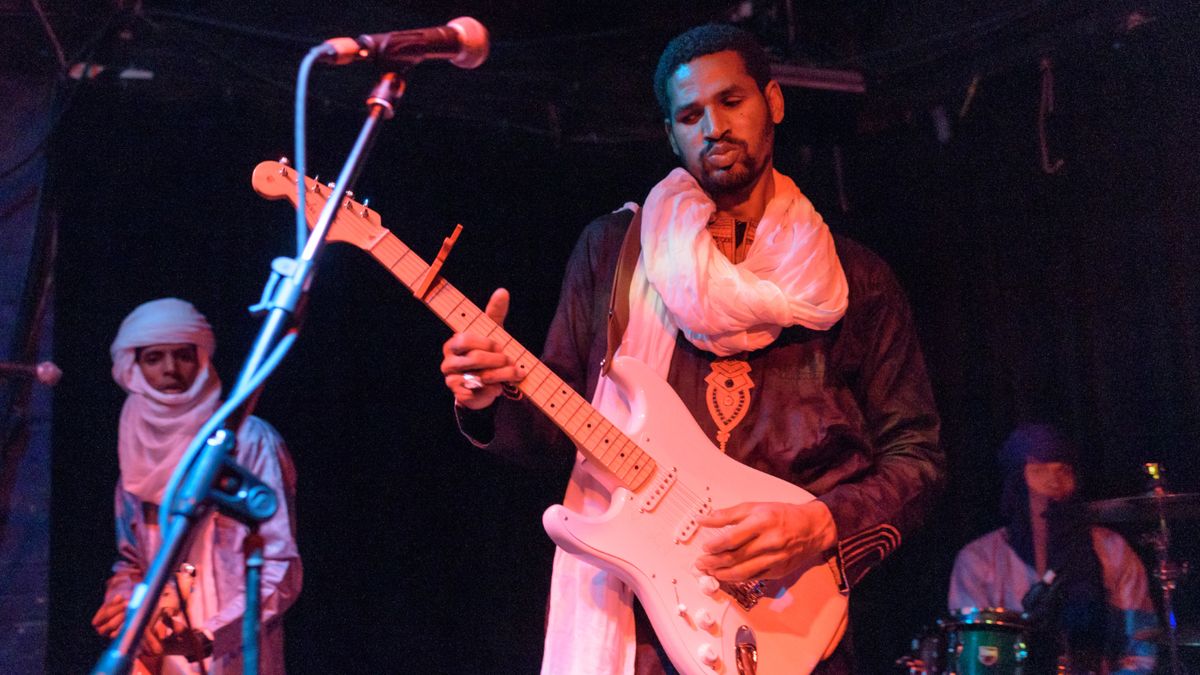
[1083,587]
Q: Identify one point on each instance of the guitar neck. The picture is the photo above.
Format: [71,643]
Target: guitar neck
[601,442]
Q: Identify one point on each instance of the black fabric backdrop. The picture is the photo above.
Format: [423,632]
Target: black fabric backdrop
[1072,298]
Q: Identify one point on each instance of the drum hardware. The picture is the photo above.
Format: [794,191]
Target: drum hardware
[1156,508]
[1185,636]
[1167,572]
[971,642]
[980,641]
[1144,509]
[927,652]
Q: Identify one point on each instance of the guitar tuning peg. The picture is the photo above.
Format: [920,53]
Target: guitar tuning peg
[349,194]
[365,211]
[316,187]
[283,161]
[329,185]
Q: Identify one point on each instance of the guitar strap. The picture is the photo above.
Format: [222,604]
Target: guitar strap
[618,301]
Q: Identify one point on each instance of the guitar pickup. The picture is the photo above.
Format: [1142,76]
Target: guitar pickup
[655,495]
[689,526]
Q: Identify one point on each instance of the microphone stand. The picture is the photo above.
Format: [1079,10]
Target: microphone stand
[252,548]
[200,483]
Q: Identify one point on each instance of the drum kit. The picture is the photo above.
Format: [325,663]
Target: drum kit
[994,641]
[971,641]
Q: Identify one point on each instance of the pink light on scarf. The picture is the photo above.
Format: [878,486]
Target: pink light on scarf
[157,427]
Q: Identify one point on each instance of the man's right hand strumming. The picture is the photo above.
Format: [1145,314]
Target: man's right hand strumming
[474,366]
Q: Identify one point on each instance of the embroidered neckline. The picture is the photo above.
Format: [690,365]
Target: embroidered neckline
[728,395]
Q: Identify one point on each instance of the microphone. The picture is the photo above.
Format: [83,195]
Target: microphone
[45,372]
[463,42]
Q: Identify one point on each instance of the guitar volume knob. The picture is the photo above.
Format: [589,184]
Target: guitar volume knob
[707,654]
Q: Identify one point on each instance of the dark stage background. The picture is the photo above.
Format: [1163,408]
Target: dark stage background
[1071,297]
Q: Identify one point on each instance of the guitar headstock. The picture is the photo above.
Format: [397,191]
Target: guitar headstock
[354,223]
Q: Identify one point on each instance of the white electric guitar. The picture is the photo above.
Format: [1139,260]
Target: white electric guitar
[668,475]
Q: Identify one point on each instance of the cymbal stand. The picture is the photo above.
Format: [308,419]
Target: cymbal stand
[1166,572]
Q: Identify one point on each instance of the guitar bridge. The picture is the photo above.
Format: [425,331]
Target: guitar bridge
[746,593]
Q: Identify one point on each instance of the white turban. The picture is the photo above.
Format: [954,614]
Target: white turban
[156,427]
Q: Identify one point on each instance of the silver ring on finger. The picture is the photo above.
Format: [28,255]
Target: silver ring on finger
[471,381]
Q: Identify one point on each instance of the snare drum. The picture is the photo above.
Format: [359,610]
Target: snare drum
[985,642]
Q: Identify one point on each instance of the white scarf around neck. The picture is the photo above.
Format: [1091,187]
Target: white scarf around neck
[156,427]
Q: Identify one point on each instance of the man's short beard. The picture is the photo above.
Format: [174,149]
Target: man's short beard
[743,176]
[729,182]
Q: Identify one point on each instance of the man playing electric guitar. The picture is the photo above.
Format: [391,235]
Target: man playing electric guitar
[793,349]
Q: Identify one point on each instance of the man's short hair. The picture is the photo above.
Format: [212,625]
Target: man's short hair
[702,41]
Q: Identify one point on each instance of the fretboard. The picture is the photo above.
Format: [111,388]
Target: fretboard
[596,437]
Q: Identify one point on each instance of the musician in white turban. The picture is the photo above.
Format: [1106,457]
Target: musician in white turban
[162,358]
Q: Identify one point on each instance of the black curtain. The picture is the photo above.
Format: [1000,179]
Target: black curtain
[1069,297]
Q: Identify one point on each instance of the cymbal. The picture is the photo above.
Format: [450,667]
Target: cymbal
[1185,636]
[1139,509]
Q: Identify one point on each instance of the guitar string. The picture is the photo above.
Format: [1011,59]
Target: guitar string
[417,267]
[685,508]
[680,501]
[684,504]
[671,504]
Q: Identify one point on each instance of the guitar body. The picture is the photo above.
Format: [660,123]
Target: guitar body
[666,471]
[792,626]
